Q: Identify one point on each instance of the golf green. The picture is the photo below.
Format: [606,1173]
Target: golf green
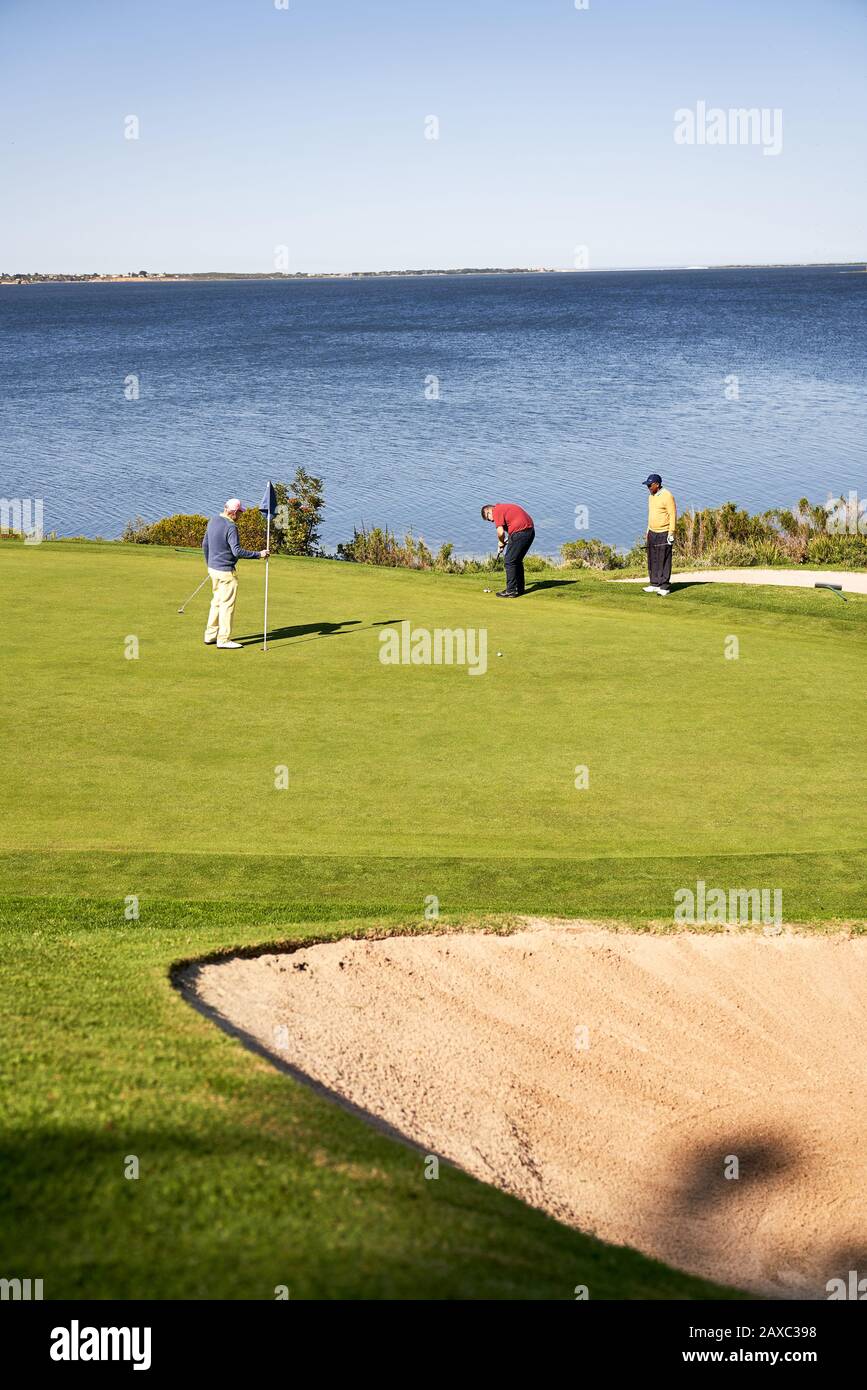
[166,800]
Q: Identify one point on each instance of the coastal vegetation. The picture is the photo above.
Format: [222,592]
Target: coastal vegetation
[726,537]
[294,531]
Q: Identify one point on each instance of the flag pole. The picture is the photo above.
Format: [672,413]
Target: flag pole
[267,563]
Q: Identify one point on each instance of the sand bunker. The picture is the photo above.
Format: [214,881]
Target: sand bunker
[613,1080]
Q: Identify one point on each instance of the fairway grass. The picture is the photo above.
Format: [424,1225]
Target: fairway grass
[154,779]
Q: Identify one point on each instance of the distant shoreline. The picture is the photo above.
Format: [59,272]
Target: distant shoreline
[220,277]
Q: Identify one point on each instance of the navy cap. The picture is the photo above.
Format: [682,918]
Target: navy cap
[652,478]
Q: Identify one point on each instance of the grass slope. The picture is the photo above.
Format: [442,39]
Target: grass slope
[155,777]
[248,1179]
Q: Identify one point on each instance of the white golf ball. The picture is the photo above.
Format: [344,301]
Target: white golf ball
[499,653]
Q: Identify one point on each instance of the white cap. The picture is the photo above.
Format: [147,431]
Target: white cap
[233,505]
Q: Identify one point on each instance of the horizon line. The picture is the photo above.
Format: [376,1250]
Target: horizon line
[93,276]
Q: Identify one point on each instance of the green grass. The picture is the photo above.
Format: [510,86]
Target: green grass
[155,777]
[248,1179]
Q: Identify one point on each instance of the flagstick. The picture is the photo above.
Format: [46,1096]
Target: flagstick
[267,562]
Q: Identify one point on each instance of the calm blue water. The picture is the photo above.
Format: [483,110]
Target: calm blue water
[555,391]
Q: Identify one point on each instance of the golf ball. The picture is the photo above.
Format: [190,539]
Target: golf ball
[499,653]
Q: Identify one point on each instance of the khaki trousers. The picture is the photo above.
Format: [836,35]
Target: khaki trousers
[225,586]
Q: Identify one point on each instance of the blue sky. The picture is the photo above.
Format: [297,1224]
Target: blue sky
[262,127]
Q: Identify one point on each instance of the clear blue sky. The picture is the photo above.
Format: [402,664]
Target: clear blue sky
[304,127]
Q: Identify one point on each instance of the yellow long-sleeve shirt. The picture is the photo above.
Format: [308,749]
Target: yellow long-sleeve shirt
[661,511]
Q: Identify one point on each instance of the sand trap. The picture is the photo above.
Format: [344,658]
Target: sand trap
[699,1047]
[792,579]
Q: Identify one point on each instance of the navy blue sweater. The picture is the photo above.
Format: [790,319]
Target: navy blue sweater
[221,545]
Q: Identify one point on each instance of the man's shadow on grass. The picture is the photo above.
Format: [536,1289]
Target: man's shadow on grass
[312,632]
[548,584]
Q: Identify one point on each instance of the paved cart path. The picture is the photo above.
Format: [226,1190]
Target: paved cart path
[852,583]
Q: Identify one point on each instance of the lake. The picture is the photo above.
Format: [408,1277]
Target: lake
[419,399]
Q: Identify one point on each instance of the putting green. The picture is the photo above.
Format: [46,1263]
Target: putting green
[152,781]
[688,753]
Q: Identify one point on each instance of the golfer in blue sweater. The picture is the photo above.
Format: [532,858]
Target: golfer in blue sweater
[222,548]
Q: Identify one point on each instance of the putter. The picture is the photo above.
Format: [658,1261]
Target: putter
[193,594]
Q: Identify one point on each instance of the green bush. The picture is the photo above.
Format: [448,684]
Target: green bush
[176,530]
[590,555]
[838,550]
[729,554]
[136,532]
[189,530]
[727,535]
[486,565]
[637,556]
[379,546]
[295,529]
[717,537]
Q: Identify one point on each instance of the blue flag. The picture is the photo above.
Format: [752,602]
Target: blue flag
[268,505]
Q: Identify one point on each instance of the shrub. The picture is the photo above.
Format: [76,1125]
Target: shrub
[381,547]
[295,529]
[590,555]
[728,554]
[697,533]
[136,532]
[769,553]
[728,535]
[251,530]
[471,565]
[175,530]
[720,537]
[837,550]
[636,558]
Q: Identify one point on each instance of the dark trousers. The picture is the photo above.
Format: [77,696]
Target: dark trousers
[659,559]
[517,545]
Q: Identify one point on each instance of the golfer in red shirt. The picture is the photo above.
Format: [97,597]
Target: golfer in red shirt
[515,533]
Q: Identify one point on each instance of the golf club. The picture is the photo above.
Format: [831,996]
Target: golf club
[193,594]
[835,589]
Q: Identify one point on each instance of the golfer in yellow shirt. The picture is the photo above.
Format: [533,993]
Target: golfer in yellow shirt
[661,522]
